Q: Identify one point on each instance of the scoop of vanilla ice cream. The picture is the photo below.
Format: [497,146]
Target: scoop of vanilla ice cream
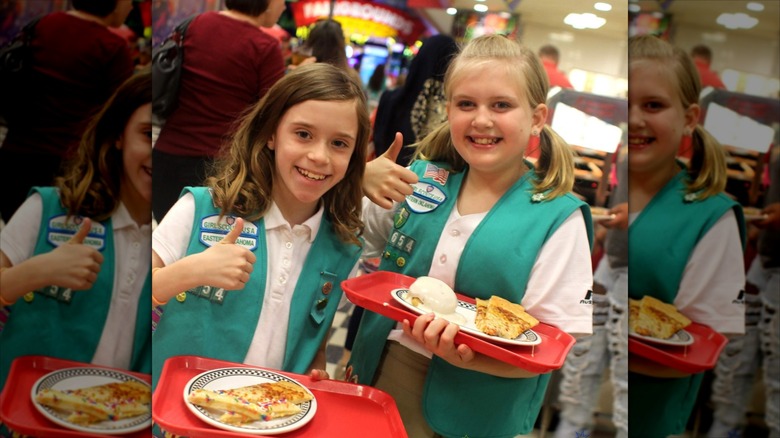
[434,294]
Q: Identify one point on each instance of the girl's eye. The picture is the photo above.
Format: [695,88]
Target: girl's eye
[303,134]
[340,144]
[654,106]
[464,104]
[503,105]
[148,133]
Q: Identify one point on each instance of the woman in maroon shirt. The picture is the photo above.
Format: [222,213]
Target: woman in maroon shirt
[229,64]
[77,64]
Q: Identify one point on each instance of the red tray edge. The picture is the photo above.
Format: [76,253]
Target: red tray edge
[477,344]
[204,364]
[52,429]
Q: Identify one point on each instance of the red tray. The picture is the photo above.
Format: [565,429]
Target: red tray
[698,357]
[343,409]
[18,412]
[372,291]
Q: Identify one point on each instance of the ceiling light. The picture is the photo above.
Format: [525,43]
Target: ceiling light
[601,6]
[480,1]
[480,8]
[737,21]
[755,6]
[452,11]
[635,8]
[584,21]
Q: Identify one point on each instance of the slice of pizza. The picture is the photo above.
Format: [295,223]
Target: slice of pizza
[66,402]
[500,317]
[111,401]
[276,391]
[658,319]
[239,410]
[117,392]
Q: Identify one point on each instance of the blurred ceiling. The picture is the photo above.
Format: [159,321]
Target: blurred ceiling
[701,13]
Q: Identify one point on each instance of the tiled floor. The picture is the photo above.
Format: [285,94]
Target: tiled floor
[338,335]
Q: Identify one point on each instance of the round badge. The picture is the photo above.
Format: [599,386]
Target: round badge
[400,261]
[181,297]
[327,287]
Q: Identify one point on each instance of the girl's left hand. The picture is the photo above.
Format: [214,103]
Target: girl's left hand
[438,337]
[318,375]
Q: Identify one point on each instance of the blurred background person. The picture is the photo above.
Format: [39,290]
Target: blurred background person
[702,58]
[550,57]
[375,87]
[417,106]
[219,82]
[608,346]
[69,80]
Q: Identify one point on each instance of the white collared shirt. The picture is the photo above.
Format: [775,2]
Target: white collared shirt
[132,260]
[287,250]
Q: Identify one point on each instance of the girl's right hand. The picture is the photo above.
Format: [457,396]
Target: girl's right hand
[384,181]
[226,264]
[74,265]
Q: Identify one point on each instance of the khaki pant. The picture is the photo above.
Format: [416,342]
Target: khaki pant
[401,373]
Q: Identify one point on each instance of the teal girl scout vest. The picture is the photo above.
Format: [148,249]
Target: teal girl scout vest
[682,217]
[210,322]
[497,259]
[58,322]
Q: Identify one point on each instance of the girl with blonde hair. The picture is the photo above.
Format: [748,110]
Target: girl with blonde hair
[486,222]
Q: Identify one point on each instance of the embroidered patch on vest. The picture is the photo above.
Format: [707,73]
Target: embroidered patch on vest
[401,242]
[211,293]
[426,198]
[59,293]
[436,173]
[401,216]
[59,231]
[213,230]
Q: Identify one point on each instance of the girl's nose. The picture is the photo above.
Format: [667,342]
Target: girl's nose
[635,117]
[319,153]
[483,118]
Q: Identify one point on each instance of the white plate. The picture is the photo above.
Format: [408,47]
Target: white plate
[84,377]
[679,339]
[468,313]
[228,378]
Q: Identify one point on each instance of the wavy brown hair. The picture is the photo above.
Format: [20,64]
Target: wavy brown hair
[555,167]
[91,179]
[242,177]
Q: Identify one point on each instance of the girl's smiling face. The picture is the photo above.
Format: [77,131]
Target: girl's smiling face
[491,119]
[313,145]
[136,146]
[657,119]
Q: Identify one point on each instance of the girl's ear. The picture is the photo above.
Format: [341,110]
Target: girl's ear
[118,143]
[692,115]
[270,143]
[539,117]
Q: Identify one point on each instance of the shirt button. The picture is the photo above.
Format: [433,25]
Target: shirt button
[443,258]
[136,244]
[286,262]
[455,233]
[288,245]
[282,279]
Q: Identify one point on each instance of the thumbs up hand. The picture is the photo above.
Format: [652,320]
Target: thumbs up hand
[74,265]
[385,181]
[226,264]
